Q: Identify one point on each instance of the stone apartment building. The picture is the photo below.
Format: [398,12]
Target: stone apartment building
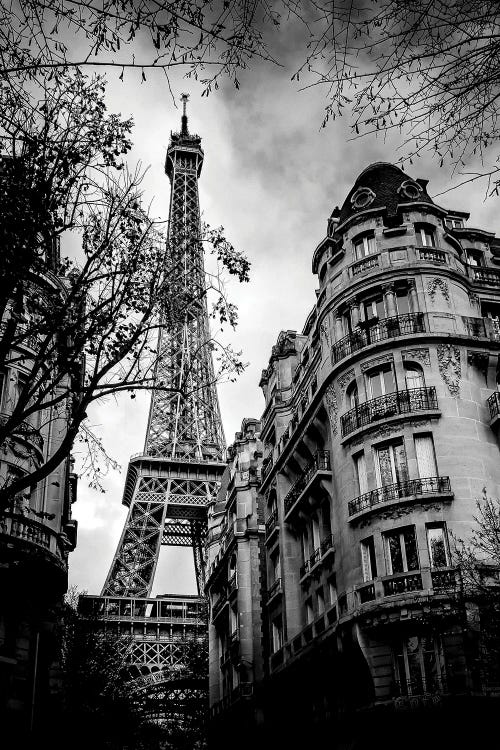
[36,531]
[379,435]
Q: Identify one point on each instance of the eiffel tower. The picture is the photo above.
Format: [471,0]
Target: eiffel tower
[170,485]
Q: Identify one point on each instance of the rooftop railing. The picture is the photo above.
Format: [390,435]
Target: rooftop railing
[398,490]
[386,328]
[392,404]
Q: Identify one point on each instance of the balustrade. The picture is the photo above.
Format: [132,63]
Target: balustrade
[432,255]
[487,276]
[392,404]
[402,583]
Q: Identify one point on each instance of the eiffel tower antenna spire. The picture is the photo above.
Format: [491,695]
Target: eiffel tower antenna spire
[184,121]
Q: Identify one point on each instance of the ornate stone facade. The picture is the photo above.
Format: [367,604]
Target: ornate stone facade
[370,485]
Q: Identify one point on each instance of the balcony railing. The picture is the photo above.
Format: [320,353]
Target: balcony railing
[445,579]
[387,328]
[494,404]
[366,593]
[320,462]
[267,465]
[431,255]
[274,589]
[398,490]
[271,523]
[487,276]
[371,261]
[318,554]
[475,327]
[400,402]
[36,533]
[403,583]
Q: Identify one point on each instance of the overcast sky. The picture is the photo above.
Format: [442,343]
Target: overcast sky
[271,177]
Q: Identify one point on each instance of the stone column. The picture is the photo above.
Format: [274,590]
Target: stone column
[353,305]
[390,302]
[412,295]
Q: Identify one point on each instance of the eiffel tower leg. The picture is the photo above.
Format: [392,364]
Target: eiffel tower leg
[198,535]
[134,564]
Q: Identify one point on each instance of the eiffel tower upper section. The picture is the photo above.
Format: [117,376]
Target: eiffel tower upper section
[170,485]
[186,424]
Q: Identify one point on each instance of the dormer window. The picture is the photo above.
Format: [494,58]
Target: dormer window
[426,235]
[410,189]
[475,257]
[365,245]
[362,198]
[453,223]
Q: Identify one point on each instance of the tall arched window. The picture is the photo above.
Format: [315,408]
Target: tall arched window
[352,395]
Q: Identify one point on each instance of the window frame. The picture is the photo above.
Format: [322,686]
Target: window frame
[446,544]
[368,559]
[365,242]
[399,534]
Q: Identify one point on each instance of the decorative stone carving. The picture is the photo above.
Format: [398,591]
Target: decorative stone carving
[344,380]
[420,355]
[473,298]
[325,331]
[480,360]
[437,283]
[450,367]
[378,361]
[332,407]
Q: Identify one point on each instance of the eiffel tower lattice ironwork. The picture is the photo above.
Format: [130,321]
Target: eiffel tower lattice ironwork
[170,485]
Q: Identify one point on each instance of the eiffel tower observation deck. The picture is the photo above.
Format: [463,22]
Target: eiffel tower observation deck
[170,485]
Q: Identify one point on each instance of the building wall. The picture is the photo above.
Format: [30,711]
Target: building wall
[36,535]
[234,588]
[366,615]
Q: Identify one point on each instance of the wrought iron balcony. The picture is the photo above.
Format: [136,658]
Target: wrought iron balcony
[387,328]
[317,556]
[271,523]
[267,465]
[487,276]
[399,490]
[403,583]
[320,462]
[494,405]
[392,404]
[274,589]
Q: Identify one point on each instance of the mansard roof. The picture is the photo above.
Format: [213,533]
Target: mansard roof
[383,185]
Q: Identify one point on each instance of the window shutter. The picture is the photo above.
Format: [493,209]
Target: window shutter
[361,471]
[426,461]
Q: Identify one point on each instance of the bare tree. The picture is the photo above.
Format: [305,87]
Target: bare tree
[427,69]
[479,562]
[79,329]
[206,39]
